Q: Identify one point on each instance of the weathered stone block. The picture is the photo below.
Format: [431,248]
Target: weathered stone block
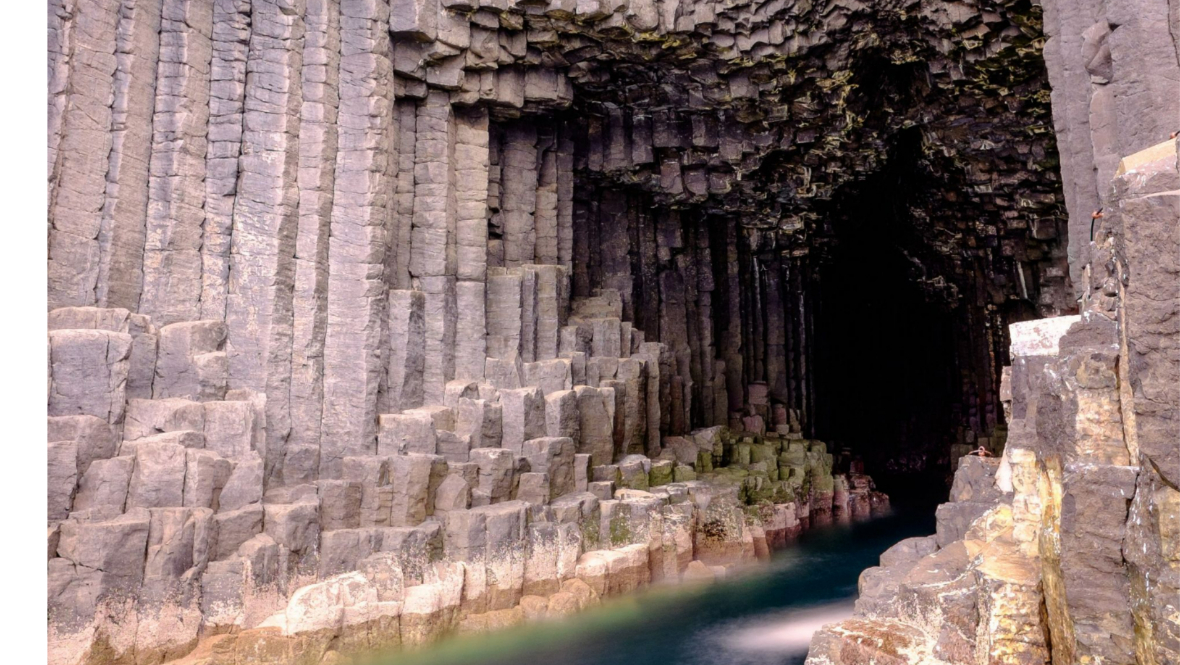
[88,373]
[105,484]
[93,437]
[191,362]
[340,504]
[553,456]
[415,479]
[496,469]
[157,479]
[62,479]
[232,429]
[205,476]
[410,432]
[523,417]
[117,547]
[596,423]
[148,417]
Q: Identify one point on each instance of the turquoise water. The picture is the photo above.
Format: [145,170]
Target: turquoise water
[763,617]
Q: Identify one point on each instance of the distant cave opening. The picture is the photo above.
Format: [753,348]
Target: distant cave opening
[864,305]
[886,365]
[906,362]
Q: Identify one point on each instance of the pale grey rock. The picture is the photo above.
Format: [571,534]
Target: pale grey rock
[596,423]
[471,319]
[206,474]
[340,504]
[88,371]
[356,252]
[157,479]
[503,315]
[83,141]
[151,417]
[460,389]
[453,494]
[411,432]
[416,478]
[553,456]
[603,489]
[318,143]
[232,429]
[261,554]
[582,471]
[191,362]
[372,474]
[230,48]
[523,416]
[342,550]
[235,527]
[116,547]
[561,414]
[93,437]
[296,528]
[407,338]
[480,421]
[454,447]
[62,478]
[104,484]
[496,470]
[180,135]
[503,374]
[178,540]
[533,488]
[548,375]
[182,438]
[142,359]
[244,485]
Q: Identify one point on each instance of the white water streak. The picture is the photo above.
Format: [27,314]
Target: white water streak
[783,632]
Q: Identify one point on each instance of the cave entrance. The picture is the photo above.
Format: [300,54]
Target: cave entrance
[889,378]
[886,372]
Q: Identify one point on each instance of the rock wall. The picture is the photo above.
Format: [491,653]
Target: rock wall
[165,543]
[1115,72]
[289,168]
[1066,548]
[336,278]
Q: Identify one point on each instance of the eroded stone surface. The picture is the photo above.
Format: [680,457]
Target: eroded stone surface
[371,319]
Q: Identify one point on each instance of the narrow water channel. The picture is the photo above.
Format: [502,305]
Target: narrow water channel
[763,617]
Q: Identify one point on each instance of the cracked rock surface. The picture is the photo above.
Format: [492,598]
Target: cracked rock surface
[370,320]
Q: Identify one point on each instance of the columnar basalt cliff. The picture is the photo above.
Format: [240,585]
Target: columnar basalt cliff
[370,320]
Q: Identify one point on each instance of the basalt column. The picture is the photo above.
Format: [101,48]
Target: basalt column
[318,145]
[78,182]
[471,240]
[121,236]
[230,67]
[518,198]
[433,255]
[176,193]
[361,206]
[266,218]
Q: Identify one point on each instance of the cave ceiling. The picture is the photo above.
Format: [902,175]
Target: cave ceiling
[778,114]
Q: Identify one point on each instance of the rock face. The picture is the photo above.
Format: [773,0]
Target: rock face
[408,315]
[411,193]
[1064,549]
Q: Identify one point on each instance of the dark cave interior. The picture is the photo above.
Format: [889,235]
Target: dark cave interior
[886,363]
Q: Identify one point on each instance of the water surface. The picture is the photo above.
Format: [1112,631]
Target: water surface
[763,617]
